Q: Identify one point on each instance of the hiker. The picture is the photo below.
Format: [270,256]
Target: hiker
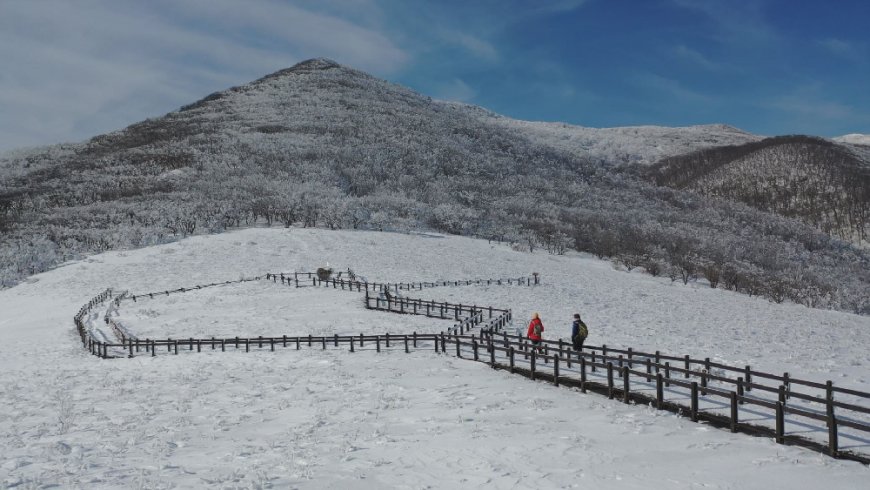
[579,332]
[536,327]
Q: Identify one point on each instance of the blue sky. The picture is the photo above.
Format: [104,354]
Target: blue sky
[71,70]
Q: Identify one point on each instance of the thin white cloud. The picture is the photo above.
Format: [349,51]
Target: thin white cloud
[559,6]
[455,90]
[696,58]
[477,47]
[670,88]
[844,49]
[738,22]
[810,102]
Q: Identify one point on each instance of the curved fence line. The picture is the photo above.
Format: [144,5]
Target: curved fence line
[710,388]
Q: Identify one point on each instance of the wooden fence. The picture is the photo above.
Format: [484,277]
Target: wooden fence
[478,334]
[302,279]
[620,369]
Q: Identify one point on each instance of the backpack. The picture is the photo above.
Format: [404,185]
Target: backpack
[583,331]
[538,329]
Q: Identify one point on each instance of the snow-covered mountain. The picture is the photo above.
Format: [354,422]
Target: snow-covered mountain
[642,145]
[854,138]
[329,418]
[320,144]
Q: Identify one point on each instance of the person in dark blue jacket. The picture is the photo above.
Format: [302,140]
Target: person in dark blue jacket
[579,332]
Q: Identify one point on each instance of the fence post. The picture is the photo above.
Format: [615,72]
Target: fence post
[415,339]
[335,339]
[748,378]
[593,360]
[610,380]
[378,342]
[733,411]
[694,408]
[533,364]
[556,370]
[388,340]
[223,345]
[687,367]
[625,391]
[780,423]
[491,348]
[360,339]
[474,346]
[787,384]
[582,374]
[406,345]
[648,370]
[511,355]
[630,355]
[740,390]
[272,344]
[833,443]
[458,354]
[247,345]
[660,391]
[351,343]
[667,373]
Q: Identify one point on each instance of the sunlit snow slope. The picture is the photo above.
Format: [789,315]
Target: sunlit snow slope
[335,419]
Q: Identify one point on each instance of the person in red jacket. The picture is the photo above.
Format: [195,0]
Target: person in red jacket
[536,327]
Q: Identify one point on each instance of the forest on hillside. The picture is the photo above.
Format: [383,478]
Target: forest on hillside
[320,146]
[811,179]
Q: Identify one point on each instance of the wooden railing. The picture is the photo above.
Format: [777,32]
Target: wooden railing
[478,334]
[654,371]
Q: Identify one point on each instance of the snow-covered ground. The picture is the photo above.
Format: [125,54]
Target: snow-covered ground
[630,144]
[334,419]
[854,138]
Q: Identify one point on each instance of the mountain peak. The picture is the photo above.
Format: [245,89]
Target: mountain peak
[307,66]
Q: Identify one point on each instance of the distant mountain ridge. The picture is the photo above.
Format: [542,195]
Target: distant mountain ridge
[320,144]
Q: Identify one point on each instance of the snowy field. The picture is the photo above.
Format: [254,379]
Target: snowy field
[335,419]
